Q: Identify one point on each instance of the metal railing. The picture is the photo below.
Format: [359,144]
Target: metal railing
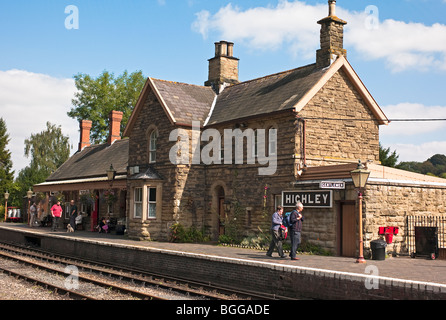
[438,222]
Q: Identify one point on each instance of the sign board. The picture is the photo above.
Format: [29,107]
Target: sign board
[310,199]
[340,185]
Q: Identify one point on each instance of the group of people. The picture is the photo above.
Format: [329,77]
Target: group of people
[294,231]
[56,213]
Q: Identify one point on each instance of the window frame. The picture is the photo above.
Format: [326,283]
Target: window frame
[138,202]
[151,202]
[153,139]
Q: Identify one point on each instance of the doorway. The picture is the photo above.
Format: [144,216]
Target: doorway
[221,215]
[347,233]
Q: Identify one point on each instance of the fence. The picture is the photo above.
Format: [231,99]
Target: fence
[437,225]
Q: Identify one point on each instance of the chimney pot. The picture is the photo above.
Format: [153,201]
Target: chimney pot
[332,8]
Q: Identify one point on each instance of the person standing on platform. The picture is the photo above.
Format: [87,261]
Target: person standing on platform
[296,219]
[73,214]
[276,241]
[56,212]
[33,211]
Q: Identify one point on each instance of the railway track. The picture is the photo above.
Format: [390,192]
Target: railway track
[126,283]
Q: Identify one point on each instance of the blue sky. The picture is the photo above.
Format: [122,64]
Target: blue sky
[398,48]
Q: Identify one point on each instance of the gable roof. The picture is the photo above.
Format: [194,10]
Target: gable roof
[288,90]
[342,63]
[182,102]
[265,95]
[94,161]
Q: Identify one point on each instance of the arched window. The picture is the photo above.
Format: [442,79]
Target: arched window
[152,146]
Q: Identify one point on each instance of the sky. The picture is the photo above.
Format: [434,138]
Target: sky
[398,49]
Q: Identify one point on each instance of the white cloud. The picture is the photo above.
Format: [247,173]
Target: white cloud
[402,45]
[409,138]
[27,101]
[266,28]
[419,153]
[413,111]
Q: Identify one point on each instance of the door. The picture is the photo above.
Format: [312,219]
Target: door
[348,230]
[222,215]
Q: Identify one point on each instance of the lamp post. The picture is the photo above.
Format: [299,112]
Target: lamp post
[6,204]
[29,194]
[360,177]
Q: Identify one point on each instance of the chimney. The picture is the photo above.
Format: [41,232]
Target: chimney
[85,126]
[223,68]
[115,126]
[332,38]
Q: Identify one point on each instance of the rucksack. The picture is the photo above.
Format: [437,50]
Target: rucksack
[286,220]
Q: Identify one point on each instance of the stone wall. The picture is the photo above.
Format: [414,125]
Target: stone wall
[390,203]
[335,140]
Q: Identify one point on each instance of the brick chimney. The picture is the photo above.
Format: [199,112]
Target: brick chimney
[85,127]
[223,68]
[115,126]
[332,38]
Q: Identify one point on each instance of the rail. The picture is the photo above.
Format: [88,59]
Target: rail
[438,222]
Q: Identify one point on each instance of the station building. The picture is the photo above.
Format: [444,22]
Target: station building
[302,132]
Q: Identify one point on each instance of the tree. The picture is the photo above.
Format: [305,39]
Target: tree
[48,150]
[96,98]
[6,172]
[386,159]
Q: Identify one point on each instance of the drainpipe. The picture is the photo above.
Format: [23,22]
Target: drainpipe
[303,143]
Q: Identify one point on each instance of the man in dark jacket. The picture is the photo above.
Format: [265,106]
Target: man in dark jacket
[295,229]
[276,240]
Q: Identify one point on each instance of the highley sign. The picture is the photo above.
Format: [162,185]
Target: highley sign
[310,199]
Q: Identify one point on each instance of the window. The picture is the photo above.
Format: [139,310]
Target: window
[152,146]
[272,142]
[254,145]
[137,202]
[151,203]
[277,200]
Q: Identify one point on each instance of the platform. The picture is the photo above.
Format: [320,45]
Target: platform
[394,278]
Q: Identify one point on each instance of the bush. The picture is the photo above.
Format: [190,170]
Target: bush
[262,240]
[180,234]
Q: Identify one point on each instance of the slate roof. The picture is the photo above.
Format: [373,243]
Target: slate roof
[148,174]
[186,102]
[265,95]
[94,161]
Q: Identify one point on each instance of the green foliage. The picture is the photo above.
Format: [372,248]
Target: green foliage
[387,158]
[6,172]
[434,166]
[96,98]
[182,235]
[48,150]
[261,241]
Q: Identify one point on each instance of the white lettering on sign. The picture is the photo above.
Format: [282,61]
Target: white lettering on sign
[332,185]
[311,199]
